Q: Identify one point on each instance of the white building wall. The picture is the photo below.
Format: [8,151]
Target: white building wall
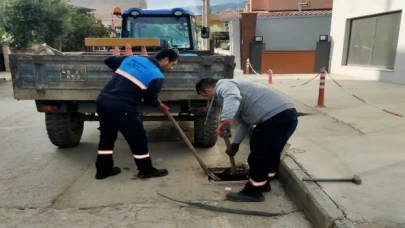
[234,36]
[346,9]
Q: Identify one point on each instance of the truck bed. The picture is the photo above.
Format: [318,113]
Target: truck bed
[81,77]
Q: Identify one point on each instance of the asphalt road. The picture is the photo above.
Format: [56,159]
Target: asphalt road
[43,186]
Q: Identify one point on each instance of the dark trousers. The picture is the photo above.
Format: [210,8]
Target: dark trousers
[131,127]
[266,144]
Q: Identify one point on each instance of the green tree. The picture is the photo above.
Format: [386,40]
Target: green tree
[83,25]
[37,21]
[5,38]
[3,5]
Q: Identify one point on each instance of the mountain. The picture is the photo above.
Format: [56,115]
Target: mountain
[222,2]
[216,8]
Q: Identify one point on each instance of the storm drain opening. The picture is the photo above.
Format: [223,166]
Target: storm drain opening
[225,174]
[303,114]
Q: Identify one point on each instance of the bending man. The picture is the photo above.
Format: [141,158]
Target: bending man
[135,78]
[275,117]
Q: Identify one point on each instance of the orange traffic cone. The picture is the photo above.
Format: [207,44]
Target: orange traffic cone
[128,50]
[144,52]
[116,52]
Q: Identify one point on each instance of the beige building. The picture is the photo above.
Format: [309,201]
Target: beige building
[287,5]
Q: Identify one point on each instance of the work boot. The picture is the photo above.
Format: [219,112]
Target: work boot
[105,167]
[152,173]
[266,187]
[104,174]
[249,193]
[146,169]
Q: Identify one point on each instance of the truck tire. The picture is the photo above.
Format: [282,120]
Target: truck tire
[64,130]
[205,135]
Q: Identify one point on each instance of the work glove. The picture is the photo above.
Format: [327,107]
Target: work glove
[224,129]
[234,148]
[164,109]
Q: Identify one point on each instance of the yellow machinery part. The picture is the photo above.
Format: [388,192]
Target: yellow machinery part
[102,42]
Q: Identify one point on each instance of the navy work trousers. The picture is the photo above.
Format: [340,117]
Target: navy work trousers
[266,144]
[131,127]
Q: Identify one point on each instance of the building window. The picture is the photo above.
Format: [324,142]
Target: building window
[226,26]
[373,41]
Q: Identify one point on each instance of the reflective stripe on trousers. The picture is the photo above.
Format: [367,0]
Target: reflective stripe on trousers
[104,152]
[141,156]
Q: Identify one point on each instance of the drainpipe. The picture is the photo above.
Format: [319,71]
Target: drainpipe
[301,4]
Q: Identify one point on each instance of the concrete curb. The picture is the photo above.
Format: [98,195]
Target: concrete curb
[309,197]
[2,80]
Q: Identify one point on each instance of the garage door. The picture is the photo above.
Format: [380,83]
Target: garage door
[288,62]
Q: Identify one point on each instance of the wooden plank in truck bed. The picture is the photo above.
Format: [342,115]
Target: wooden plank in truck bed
[102,42]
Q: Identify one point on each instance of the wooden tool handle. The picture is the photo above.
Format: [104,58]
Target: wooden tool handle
[227,143]
[231,159]
[190,146]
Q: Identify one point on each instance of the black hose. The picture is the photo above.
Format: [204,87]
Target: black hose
[227,210]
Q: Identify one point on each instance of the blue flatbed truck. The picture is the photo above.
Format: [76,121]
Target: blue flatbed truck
[64,87]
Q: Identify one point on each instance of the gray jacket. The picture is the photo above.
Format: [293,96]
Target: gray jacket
[250,102]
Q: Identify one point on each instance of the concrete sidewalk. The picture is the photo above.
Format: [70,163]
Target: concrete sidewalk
[349,137]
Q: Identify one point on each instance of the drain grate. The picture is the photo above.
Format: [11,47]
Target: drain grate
[225,174]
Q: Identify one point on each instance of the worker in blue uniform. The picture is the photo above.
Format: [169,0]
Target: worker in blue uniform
[135,78]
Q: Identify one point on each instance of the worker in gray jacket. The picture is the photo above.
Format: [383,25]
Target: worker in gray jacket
[253,103]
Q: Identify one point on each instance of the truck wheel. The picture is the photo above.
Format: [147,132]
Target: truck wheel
[205,135]
[64,130]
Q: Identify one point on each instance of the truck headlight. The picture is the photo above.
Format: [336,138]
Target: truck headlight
[178,13]
[134,13]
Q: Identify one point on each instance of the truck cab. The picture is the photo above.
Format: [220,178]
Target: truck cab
[176,28]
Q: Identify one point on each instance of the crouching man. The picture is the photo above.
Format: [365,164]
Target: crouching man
[275,117]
